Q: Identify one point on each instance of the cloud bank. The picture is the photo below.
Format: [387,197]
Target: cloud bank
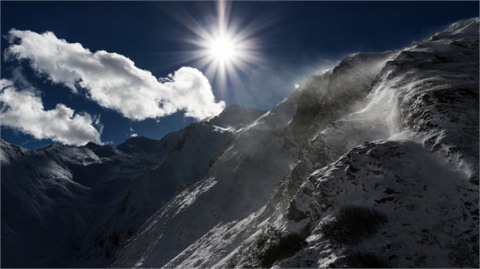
[23,110]
[112,80]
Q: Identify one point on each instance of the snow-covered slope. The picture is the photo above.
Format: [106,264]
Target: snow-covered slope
[407,200]
[243,180]
[67,206]
[371,164]
[299,187]
[49,197]
[185,162]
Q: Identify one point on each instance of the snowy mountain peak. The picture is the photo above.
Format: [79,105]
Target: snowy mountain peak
[9,152]
[234,115]
[469,26]
[141,145]
[91,145]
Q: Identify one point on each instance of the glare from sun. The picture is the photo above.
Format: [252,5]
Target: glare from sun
[223,49]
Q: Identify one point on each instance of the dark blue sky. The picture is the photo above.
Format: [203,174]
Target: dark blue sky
[293,38]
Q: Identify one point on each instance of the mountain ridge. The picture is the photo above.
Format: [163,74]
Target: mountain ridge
[100,171]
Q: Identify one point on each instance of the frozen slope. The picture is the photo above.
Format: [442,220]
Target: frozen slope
[66,206]
[407,200]
[46,207]
[185,163]
[301,187]
[182,158]
[240,184]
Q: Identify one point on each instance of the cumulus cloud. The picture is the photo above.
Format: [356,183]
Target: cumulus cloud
[23,110]
[112,80]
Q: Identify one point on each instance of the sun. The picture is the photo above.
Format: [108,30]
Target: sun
[223,49]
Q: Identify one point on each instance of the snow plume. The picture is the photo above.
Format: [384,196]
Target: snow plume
[266,87]
[113,81]
[23,110]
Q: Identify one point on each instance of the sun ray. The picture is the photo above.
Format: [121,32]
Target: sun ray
[223,49]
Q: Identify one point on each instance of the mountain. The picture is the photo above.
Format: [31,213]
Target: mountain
[235,115]
[65,206]
[373,163]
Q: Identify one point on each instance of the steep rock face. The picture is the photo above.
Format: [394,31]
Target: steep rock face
[442,105]
[327,97]
[407,201]
[325,138]
[431,210]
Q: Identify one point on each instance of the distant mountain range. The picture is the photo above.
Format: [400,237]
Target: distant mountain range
[373,163]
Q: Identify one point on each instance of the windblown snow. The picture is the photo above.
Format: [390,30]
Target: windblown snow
[373,163]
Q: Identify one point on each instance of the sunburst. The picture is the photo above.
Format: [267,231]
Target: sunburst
[225,48]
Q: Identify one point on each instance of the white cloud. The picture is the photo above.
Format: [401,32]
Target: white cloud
[23,110]
[113,80]
[133,134]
